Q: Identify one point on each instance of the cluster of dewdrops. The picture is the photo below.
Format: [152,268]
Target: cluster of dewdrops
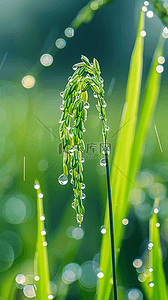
[74,114]
[149,14]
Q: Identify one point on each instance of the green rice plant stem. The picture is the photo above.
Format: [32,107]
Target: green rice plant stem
[111,228]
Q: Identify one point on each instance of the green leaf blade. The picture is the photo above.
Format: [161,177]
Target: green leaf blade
[41,256]
[122,159]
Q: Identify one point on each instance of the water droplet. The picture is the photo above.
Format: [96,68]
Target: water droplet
[86,105]
[70,172]
[101,79]
[36,278]
[44,243]
[61,93]
[102,229]
[42,218]
[149,14]
[144,8]
[161,60]
[107,128]
[28,81]
[83,196]
[46,60]
[150,270]
[143,33]
[108,150]
[43,232]
[29,291]
[50,296]
[84,129]
[95,95]
[159,69]
[69,78]
[63,179]
[82,160]
[103,162]
[36,186]
[150,245]
[20,279]
[83,186]
[157,224]
[100,275]
[73,205]
[71,151]
[125,221]
[72,181]
[104,104]
[146,3]
[74,68]
[100,116]
[60,43]
[40,195]
[69,32]
[61,107]
[156,210]
[151,284]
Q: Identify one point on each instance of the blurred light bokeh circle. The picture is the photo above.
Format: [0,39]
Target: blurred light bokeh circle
[17,208]
[14,240]
[6,256]
[71,272]
[89,278]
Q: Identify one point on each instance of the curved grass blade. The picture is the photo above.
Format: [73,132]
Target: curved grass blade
[122,160]
[41,257]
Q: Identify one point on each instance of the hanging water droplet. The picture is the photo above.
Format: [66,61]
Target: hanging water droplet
[61,107]
[104,104]
[84,129]
[107,128]
[45,244]
[86,105]
[83,186]
[61,94]
[102,229]
[156,210]
[95,95]
[50,296]
[100,116]
[107,149]
[69,78]
[157,224]
[62,179]
[125,221]
[83,196]
[70,171]
[82,160]
[150,270]
[103,162]
[151,284]
[74,68]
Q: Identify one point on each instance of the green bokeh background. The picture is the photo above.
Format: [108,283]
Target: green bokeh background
[27,30]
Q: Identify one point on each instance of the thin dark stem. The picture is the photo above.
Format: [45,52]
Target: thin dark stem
[111,229]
